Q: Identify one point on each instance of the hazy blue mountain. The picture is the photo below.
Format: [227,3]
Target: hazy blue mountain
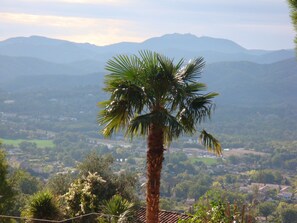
[173,45]
[249,84]
[275,56]
[11,67]
[191,42]
[52,50]
[242,83]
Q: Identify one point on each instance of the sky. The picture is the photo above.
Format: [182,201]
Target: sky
[254,24]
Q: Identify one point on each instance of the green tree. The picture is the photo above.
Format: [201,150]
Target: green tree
[287,212]
[293,6]
[267,208]
[24,185]
[6,191]
[95,163]
[212,208]
[123,184]
[289,215]
[59,183]
[150,95]
[86,194]
[24,182]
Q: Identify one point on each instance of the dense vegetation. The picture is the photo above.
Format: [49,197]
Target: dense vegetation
[78,191]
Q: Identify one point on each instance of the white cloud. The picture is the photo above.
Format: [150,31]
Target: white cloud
[97,31]
[109,21]
[96,2]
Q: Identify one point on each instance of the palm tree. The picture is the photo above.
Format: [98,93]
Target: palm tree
[152,96]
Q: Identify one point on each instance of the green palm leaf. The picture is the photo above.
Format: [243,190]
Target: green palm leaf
[210,142]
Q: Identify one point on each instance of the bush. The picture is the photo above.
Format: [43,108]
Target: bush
[42,205]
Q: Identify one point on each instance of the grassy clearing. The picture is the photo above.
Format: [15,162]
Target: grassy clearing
[40,143]
[206,160]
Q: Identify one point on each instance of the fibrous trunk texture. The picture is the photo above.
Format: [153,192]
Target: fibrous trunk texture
[154,166]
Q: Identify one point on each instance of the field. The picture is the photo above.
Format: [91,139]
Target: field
[206,160]
[39,143]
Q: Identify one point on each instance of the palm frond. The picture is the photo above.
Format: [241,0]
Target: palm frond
[191,71]
[133,95]
[201,107]
[122,67]
[210,142]
[195,110]
[115,116]
[140,125]
[148,58]
[166,65]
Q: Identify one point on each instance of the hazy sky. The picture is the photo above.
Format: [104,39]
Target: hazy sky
[262,24]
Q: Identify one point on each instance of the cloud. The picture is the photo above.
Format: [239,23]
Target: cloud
[97,2]
[109,21]
[97,31]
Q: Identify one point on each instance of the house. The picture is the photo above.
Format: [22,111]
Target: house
[285,196]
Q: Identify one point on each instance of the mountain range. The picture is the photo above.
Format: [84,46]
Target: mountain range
[40,55]
[240,75]
[49,78]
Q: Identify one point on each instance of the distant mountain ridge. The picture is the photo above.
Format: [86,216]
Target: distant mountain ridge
[37,55]
[257,88]
[240,83]
[250,84]
[181,45]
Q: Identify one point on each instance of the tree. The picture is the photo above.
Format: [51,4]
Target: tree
[152,96]
[24,183]
[86,194]
[95,163]
[267,208]
[59,183]
[289,215]
[6,192]
[123,183]
[287,212]
[212,208]
[293,6]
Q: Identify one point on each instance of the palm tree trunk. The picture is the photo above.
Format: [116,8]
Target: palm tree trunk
[154,166]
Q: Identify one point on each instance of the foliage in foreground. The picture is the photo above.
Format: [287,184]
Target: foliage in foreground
[42,206]
[212,208]
[117,210]
[6,192]
[85,194]
[293,6]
